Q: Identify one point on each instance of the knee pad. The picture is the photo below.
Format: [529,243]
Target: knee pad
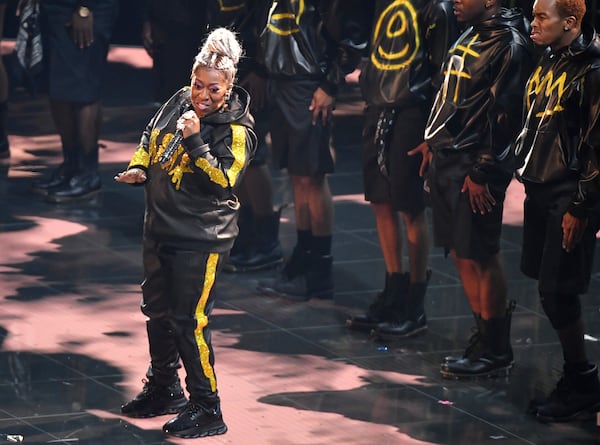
[562,310]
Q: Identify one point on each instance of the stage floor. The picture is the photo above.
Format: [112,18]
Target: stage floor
[72,338]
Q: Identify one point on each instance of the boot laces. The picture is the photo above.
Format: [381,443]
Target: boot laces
[149,387]
[473,340]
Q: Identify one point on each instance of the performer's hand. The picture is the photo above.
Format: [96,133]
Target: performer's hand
[131,176]
[321,104]
[82,29]
[480,197]
[188,123]
[426,155]
[572,228]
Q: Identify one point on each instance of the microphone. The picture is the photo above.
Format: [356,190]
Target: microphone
[171,148]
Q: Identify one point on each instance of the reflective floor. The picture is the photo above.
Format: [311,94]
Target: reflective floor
[72,339]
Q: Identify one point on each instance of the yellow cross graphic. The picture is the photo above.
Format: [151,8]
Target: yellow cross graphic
[456,65]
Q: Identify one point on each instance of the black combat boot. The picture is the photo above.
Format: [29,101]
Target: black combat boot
[316,281]
[475,345]
[292,275]
[495,357]
[80,187]
[197,420]
[576,397]
[60,175]
[380,310]
[83,185]
[409,317]
[264,249]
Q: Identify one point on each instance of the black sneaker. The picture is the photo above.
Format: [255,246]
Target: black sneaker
[155,400]
[195,420]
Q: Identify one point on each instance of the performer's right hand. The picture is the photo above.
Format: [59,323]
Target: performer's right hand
[131,176]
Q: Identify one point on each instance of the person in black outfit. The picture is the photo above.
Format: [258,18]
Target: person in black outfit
[189,227]
[398,87]
[307,48]
[257,246]
[470,132]
[557,159]
[172,32]
[76,36]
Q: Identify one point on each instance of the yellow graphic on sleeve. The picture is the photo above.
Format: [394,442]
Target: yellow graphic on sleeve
[179,164]
[549,87]
[281,20]
[202,320]
[396,37]
[238,148]
[140,157]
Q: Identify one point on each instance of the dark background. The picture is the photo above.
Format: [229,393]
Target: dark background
[127,32]
[129,24]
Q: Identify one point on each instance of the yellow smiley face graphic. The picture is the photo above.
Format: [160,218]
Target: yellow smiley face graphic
[396,36]
[284,21]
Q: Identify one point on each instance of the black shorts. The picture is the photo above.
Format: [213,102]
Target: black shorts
[74,74]
[455,227]
[403,187]
[298,145]
[542,256]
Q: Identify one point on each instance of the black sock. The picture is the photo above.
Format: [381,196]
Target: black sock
[321,245]
[304,240]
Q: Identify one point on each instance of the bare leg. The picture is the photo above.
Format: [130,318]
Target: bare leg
[314,205]
[388,231]
[417,235]
[484,283]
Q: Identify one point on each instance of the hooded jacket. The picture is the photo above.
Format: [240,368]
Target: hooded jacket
[560,140]
[403,69]
[190,200]
[476,109]
[318,40]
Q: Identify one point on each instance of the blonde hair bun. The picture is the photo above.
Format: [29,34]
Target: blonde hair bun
[221,51]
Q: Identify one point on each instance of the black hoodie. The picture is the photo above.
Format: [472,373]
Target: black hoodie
[561,135]
[403,67]
[320,40]
[190,201]
[477,108]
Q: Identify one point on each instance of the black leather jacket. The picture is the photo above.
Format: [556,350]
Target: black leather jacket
[560,141]
[314,39]
[404,70]
[477,108]
[190,200]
